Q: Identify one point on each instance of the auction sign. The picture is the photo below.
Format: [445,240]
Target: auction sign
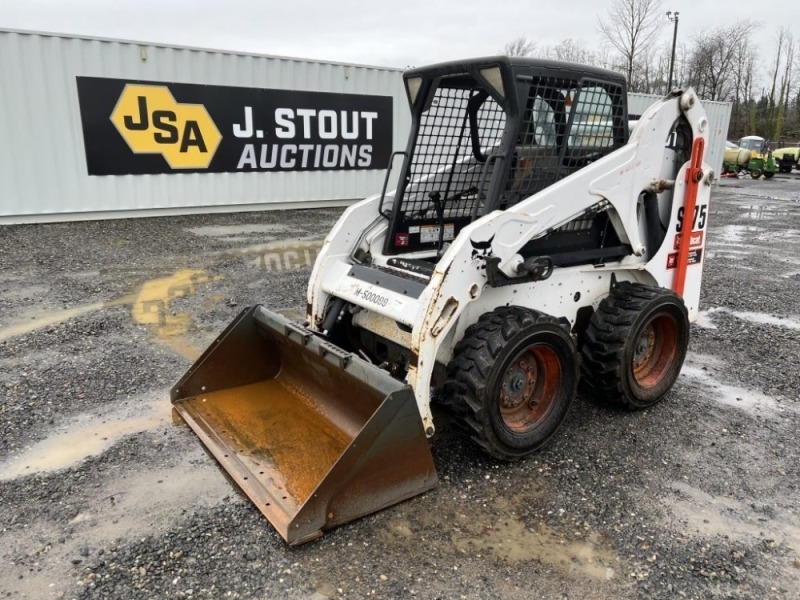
[138,127]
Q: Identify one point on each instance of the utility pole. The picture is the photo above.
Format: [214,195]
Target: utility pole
[674,18]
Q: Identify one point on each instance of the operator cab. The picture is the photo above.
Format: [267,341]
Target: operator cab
[489,133]
[752,142]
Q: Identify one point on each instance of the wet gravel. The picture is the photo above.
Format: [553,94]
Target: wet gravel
[694,498]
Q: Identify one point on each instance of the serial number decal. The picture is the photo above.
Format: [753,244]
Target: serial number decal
[372,297]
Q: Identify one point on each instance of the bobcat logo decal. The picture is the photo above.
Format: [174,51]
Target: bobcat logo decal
[480,252]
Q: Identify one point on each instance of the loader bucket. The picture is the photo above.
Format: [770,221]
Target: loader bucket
[315,436]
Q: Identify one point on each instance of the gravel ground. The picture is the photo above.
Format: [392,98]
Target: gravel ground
[104,496]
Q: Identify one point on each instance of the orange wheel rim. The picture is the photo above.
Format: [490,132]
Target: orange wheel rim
[529,387]
[654,351]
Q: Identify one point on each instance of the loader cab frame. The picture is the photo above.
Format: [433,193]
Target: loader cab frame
[489,133]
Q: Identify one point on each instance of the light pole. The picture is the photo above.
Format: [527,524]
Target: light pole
[674,18]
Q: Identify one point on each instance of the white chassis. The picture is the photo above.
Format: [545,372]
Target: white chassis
[458,292]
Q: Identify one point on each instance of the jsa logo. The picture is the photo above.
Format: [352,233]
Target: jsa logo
[152,122]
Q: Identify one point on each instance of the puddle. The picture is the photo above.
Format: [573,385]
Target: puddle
[750,401]
[765,213]
[704,318]
[509,539]
[733,234]
[152,308]
[237,230]
[731,251]
[705,360]
[147,499]
[48,319]
[284,255]
[24,292]
[709,515]
[773,197]
[131,505]
[726,253]
[83,275]
[495,532]
[87,436]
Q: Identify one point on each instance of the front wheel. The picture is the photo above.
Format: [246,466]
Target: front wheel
[512,380]
[769,174]
[635,345]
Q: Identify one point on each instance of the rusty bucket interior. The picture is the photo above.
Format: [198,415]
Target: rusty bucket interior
[315,436]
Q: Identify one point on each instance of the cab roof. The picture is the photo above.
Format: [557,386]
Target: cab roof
[520,65]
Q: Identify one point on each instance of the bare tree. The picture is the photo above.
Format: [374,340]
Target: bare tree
[649,73]
[631,29]
[570,51]
[576,51]
[780,39]
[742,113]
[520,46]
[682,64]
[796,121]
[784,58]
[715,55]
[657,69]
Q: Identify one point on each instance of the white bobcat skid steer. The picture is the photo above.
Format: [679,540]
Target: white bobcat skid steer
[527,223]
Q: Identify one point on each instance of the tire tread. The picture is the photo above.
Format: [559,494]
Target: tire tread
[605,338]
[467,373]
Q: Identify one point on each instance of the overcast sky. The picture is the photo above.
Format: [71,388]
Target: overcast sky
[399,34]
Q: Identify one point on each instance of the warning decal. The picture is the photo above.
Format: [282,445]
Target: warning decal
[695,256]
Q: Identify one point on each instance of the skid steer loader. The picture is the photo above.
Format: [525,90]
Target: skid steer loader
[531,239]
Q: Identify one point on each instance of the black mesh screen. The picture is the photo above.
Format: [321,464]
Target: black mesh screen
[563,128]
[451,152]
[564,124]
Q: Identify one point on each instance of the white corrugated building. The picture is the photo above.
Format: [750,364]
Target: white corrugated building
[99,128]
[52,138]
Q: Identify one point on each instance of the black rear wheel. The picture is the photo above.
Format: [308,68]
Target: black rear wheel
[512,380]
[635,345]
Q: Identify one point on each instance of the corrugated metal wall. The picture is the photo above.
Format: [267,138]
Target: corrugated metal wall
[719,117]
[43,172]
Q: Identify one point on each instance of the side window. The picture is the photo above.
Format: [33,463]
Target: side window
[543,122]
[539,123]
[491,123]
[593,124]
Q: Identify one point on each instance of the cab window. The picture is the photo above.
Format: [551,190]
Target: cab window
[593,123]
